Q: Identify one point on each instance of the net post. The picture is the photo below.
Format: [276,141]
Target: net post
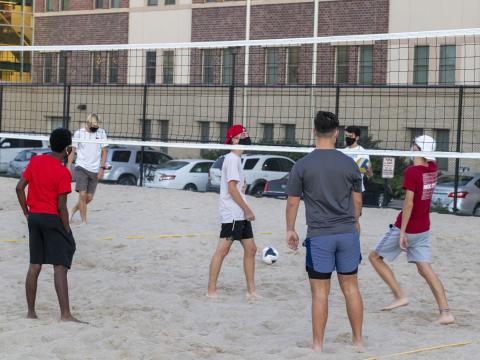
[231,89]
[337,101]
[66,92]
[144,132]
[458,148]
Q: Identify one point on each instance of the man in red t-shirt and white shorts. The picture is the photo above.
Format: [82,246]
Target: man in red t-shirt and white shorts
[411,231]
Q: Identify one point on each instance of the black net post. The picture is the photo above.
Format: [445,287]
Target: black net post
[231,89]
[458,148]
[337,101]
[144,132]
[66,91]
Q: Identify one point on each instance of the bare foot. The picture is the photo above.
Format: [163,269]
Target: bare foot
[396,304]
[70,318]
[253,295]
[317,348]
[32,315]
[358,345]
[445,318]
[212,294]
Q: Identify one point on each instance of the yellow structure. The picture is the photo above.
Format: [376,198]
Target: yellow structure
[16,28]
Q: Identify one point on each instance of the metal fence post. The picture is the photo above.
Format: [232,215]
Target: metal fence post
[66,93]
[144,132]
[231,91]
[337,101]
[458,148]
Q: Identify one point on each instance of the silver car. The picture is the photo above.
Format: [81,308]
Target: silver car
[17,166]
[123,163]
[468,194]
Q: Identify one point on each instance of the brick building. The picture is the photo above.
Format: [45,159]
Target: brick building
[81,22]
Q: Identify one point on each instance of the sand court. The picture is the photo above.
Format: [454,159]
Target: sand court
[140,273]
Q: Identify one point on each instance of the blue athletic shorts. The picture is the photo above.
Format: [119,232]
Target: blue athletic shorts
[328,253]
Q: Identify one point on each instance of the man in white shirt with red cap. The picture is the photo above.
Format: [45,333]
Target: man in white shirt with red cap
[235,215]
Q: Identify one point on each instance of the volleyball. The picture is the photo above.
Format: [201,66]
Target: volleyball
[363,164]
[269,255]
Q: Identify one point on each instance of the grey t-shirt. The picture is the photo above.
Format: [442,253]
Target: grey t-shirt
[326,178]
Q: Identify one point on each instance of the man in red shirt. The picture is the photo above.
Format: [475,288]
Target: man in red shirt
[45,207]
[411,231]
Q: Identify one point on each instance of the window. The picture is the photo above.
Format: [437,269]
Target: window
[292,64]
[447,64]
[285,164]
[152,2]
[414,133]
[420,65]
[164,130]
[65,5]
[204,131]
[250,164]
[271,165]
[49,5]
[113,67]
[98,4]
[152,157]
[168,62]
[121,156]
[342,64]
[442,136]
[204,134]
[365,75]
[227,67]
[48,68]
[169,2]
[150,67]
[62,68]
[201,168]
[208,66]
[146,129]
[223,131]
[97,67]
[271,66]
[289,133]
[55,122]
[32,143]
[268,133]
[114,4]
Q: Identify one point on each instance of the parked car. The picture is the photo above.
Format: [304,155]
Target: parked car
[258,169]
[9,149]
[468,194]
[374,194]
[123,163]
[185,174]
[17,166]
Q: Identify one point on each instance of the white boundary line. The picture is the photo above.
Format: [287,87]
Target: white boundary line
[286,149]
[243,43]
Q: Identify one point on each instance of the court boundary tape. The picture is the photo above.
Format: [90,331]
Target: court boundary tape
[141,237]
[425,349]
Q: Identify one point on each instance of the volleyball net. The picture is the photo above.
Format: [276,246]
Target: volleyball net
[394,87]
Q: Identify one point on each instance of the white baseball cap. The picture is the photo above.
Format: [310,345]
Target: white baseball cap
[426,143]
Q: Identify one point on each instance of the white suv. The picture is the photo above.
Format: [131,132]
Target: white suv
[258,169]
[9,149]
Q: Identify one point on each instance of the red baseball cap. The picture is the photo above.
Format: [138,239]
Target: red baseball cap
[234,131]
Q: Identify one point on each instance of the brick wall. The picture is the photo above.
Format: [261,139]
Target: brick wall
[82,30]
[295,20]
[76,5]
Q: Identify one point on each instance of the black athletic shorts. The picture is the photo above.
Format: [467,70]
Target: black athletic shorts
[238,230]
[49,242]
